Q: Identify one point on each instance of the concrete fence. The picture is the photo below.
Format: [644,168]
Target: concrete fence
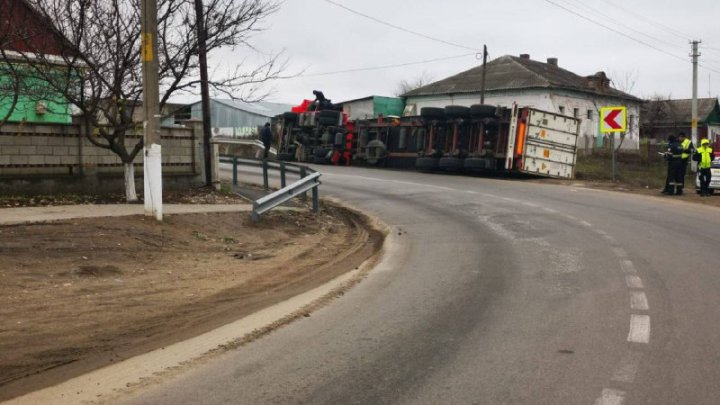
[42,158]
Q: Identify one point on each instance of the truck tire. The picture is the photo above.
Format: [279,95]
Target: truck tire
[426,163]
[290,117]
[327,121]
[450,164]
[432,113]
[475,164]
[320,152]
[483,111]
[288,157]
[457,111]
[376,152]
[329,114]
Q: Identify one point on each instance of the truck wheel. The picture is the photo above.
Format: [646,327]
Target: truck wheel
[320,152]
[290,117]
[286,156]
[329,114]
[475,164]
[327,121]
[426,163]
[482,111]
[450,163]
[433,113]
[457,111]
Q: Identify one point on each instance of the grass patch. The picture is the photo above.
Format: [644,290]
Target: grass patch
[629,169]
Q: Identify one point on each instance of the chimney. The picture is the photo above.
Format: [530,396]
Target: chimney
[599,81]
[525,56]
[552,61]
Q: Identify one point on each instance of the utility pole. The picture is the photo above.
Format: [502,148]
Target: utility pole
[694,55]
[151,100]
[482,85]
[204,89]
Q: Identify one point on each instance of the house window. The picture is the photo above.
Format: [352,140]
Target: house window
[562,109]
[576,112]
[589,114]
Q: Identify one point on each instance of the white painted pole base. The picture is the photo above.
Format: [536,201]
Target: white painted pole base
[153,181]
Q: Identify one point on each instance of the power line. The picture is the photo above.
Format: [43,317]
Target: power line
[397,27]
[667,28]
[615,20]
[615,31]
[383,67]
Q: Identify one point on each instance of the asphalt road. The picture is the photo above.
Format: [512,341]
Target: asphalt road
[497,292]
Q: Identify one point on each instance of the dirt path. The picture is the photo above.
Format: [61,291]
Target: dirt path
[77,295]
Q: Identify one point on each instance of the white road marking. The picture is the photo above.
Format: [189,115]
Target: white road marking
[619,252]
[628,368]
[611,397]
[532,205]
[471,192]
[638,301]
[550,210]
[634,282]
[628,266]
[586,223]
[639,329]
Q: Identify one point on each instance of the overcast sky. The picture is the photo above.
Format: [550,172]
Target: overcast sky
[318,37]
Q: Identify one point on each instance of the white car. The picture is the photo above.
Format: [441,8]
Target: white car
[714,181]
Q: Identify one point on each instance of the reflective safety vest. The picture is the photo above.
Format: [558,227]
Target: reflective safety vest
[686,148]
[706,154]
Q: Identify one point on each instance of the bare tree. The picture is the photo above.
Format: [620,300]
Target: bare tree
[407,85]
[98,68]
[624,81]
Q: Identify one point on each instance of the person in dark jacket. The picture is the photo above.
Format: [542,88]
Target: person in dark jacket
[266,138]
[674,178]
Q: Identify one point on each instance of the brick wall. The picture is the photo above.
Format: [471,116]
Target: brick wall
[38,158]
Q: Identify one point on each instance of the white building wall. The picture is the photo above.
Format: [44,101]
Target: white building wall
[551,101]
[360,109]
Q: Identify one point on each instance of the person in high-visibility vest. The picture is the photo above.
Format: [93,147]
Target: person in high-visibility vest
[674,167]
[687,149]
[704,156]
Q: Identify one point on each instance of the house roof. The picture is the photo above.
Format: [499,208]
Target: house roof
[263,108]
[514,73]
[679,111]
[27,29]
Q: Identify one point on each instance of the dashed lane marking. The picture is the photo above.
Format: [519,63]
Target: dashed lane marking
[628,266]
[619,252]
[638,301]
[611,397]
[634,282]
[639,329]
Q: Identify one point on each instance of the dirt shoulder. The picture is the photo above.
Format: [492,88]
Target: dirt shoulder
[689,196]
[79,294]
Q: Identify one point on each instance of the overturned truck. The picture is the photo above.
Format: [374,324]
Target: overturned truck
[455,138]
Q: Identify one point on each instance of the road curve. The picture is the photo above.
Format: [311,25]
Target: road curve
[500,292]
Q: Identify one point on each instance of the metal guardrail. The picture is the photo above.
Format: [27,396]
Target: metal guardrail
[309,181]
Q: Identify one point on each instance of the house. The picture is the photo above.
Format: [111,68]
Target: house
[542,85]
[661,118]
[372,107]
[234,118]
[24,97]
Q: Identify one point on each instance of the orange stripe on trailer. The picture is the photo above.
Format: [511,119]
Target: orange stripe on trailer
[520,139]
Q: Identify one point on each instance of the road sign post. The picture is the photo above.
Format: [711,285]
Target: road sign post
[612,120]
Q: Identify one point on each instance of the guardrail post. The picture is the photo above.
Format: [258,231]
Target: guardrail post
[316,199]
[235,165]
[282,174]
[265,174]
[303,174]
